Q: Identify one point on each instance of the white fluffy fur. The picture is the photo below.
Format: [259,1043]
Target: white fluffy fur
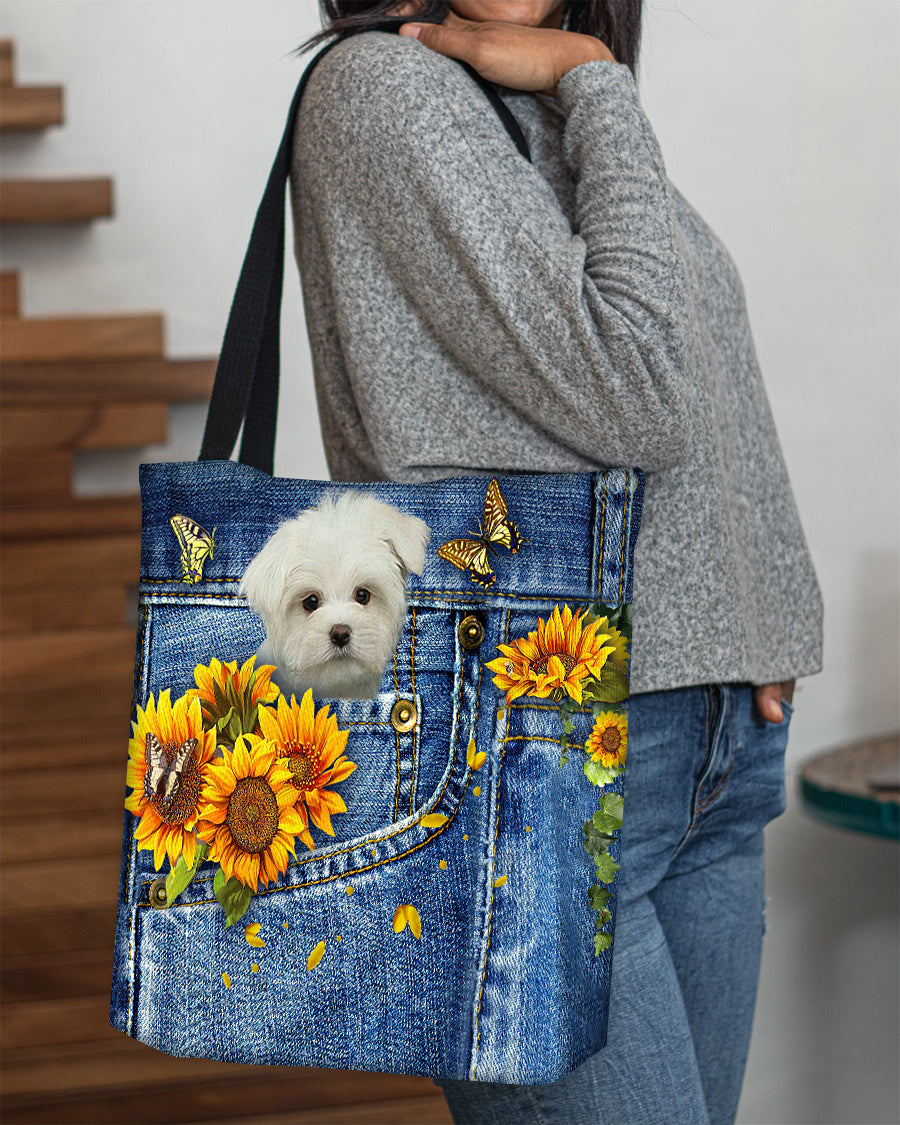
[349,541]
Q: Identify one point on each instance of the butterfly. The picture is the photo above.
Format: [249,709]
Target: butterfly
[160,771]
[196,547]
[498,530]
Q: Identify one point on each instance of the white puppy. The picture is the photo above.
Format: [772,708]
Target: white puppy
[330,587]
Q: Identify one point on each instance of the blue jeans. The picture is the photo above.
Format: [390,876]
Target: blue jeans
[705,775]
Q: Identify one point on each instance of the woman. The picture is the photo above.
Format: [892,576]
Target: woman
[472,313]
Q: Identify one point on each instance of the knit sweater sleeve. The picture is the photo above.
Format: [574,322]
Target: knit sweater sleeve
[580,328]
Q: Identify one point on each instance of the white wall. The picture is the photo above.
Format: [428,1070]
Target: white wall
[778,119]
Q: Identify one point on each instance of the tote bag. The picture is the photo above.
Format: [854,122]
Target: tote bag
[375,774]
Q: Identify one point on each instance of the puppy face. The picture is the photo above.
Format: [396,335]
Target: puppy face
[330,587]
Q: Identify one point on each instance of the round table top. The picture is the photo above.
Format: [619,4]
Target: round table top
[856,786]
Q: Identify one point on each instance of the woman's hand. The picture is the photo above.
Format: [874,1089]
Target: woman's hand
[768,699]
[510,54]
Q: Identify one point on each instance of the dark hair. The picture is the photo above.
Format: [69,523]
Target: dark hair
[616,22]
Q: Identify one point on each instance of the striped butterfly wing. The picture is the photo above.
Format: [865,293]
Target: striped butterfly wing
[196,547]
[163,777]
[469,553]
[498,527]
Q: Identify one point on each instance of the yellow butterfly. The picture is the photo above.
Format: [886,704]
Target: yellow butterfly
[498,530]
[196,547]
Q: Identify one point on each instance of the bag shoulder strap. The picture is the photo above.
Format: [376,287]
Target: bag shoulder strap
[245,391]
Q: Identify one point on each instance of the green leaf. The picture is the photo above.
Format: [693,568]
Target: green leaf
[219,696]
[568,725]
[596,843]
[598,897]
[601,942]
[614,804]
[251,721]
[225,719]
[179,877]
[606,867]
[598,774]
[605,822]
[233,895]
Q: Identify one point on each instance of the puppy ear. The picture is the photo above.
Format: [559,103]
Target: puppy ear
[408,536]
[265,577]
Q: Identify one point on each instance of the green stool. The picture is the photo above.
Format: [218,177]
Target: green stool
[856,786]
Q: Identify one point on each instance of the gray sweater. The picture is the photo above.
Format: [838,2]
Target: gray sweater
[471,313]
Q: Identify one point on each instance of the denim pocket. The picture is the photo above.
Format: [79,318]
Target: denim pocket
[402,743]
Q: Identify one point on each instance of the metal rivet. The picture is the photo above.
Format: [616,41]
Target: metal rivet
[471,632]
[403,715]
[158,897]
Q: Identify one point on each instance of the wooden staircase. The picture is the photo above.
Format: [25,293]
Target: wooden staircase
[69,565]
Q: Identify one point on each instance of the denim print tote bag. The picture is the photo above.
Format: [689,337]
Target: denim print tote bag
[375,772]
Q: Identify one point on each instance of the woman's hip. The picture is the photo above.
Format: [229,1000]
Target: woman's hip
[704,774]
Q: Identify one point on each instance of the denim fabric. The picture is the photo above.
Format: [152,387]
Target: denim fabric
[705,775]
[503,984]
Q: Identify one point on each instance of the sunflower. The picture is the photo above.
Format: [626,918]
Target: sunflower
[167,824]
[608,739]
[230,697]
[310,746]
[557,658]
[620,653]
[247,813]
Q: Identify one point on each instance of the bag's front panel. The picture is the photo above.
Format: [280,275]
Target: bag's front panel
[335,897]
[413,853]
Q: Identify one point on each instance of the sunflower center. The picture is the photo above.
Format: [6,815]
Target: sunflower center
[611,740]
[183,802]
[252,815]
[540,665]
[301,763]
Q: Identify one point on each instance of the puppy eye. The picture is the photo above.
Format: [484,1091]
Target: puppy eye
[310,603]
[363,595]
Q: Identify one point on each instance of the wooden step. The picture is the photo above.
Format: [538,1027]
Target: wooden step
[37,837]
[6,62]
[35,1023]
[36,977]
[62,883]
[82,563]
[30,107]
[29,478]
[115,425]
[194,1103]
[9,293]
[98,743]
[429,1109]
[55,201]
[106,695]
[84,516]
[67,609]
[163,380]
[68,339]
[93,790]
[49,933]
[122,1062]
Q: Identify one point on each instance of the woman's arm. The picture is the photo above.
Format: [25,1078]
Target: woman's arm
[584,331]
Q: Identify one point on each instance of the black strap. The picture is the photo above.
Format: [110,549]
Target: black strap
[246,384]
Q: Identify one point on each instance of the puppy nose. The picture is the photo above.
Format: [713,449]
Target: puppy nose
[340,635]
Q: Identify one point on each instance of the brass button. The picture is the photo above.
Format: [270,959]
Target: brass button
[471,632]
[158,894]
[403,715]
